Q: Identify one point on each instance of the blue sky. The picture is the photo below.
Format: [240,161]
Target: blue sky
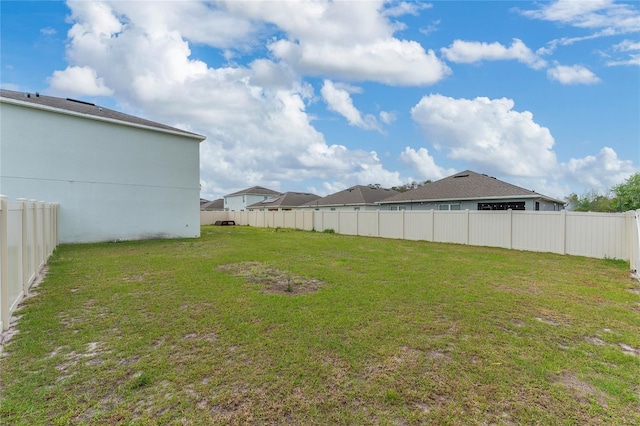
[319,96]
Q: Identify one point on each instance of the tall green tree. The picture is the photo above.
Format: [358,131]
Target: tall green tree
[628,193]
[626,196]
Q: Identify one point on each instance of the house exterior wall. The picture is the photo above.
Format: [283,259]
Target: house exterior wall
[112,181]
[240,202]
[470,205]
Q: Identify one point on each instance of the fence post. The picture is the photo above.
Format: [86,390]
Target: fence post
[4,264]
[510,216]
[404,223]
[466,224]
[26,274]
[34,238]
[378,223]
[563,232]
[433,228]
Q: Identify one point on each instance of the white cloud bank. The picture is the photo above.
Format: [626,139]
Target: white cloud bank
[489,135]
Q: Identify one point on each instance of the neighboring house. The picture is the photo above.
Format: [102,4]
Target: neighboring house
[358,197]
[286,201]
[470,191]
[215,205]
[115,176]
[238,201]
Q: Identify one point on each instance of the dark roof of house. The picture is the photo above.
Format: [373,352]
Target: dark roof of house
[464,186]
[212,205]
[288,199]
[89,109]
[356,195]
[254,190]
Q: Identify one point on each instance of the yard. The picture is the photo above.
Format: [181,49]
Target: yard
[274,326]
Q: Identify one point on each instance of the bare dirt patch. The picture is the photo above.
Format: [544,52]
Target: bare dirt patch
[582,390]
[272,279]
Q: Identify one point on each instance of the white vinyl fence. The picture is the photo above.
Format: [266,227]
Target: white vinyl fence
[598,235]
[28,236]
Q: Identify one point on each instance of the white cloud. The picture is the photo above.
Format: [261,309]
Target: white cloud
[323,38]
[604,17]
[599,172]
[576,74]
[387,117]
[487,134]
[423,164]
[406,8]
[390,61]
[79,80]
[339,100]
[593,14]
[630,47]
[473,51]
[48,31]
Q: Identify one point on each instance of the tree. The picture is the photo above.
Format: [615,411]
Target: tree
[626,197]
[628,193]
[592,201]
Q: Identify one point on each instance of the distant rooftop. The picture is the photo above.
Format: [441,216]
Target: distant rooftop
[465,186]
[356,195]
[254,190]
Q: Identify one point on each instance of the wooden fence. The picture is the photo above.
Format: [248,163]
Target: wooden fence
[598,235]
[28,236]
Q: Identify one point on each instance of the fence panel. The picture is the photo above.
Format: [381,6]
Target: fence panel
[368,223]
[633,224]
[418,225]
[14,252]
[597,235]
[538,231]
[28,236]
[391,224]
[488,228]
[348,222]
[450,226]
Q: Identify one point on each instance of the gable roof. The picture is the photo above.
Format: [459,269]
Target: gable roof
[86,110]
[254,190]
[356,195]
[212,205]
[467,185]
[288,199]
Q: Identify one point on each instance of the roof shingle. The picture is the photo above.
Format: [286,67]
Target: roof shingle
[462,186]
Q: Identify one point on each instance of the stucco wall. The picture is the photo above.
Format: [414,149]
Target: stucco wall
[113,182]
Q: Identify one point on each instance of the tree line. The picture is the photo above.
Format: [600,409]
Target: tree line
[620,198]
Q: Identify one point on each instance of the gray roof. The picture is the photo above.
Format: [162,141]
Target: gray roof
[255,190]
[286,200]
[88,109]
[212,205]
[465,185]
[356,195]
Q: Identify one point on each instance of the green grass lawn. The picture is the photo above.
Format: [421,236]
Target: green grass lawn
[248,325]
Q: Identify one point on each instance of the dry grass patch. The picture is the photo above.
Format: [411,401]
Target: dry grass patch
[272,279]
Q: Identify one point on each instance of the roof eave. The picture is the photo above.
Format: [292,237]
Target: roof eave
[183,134]
[502,197]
